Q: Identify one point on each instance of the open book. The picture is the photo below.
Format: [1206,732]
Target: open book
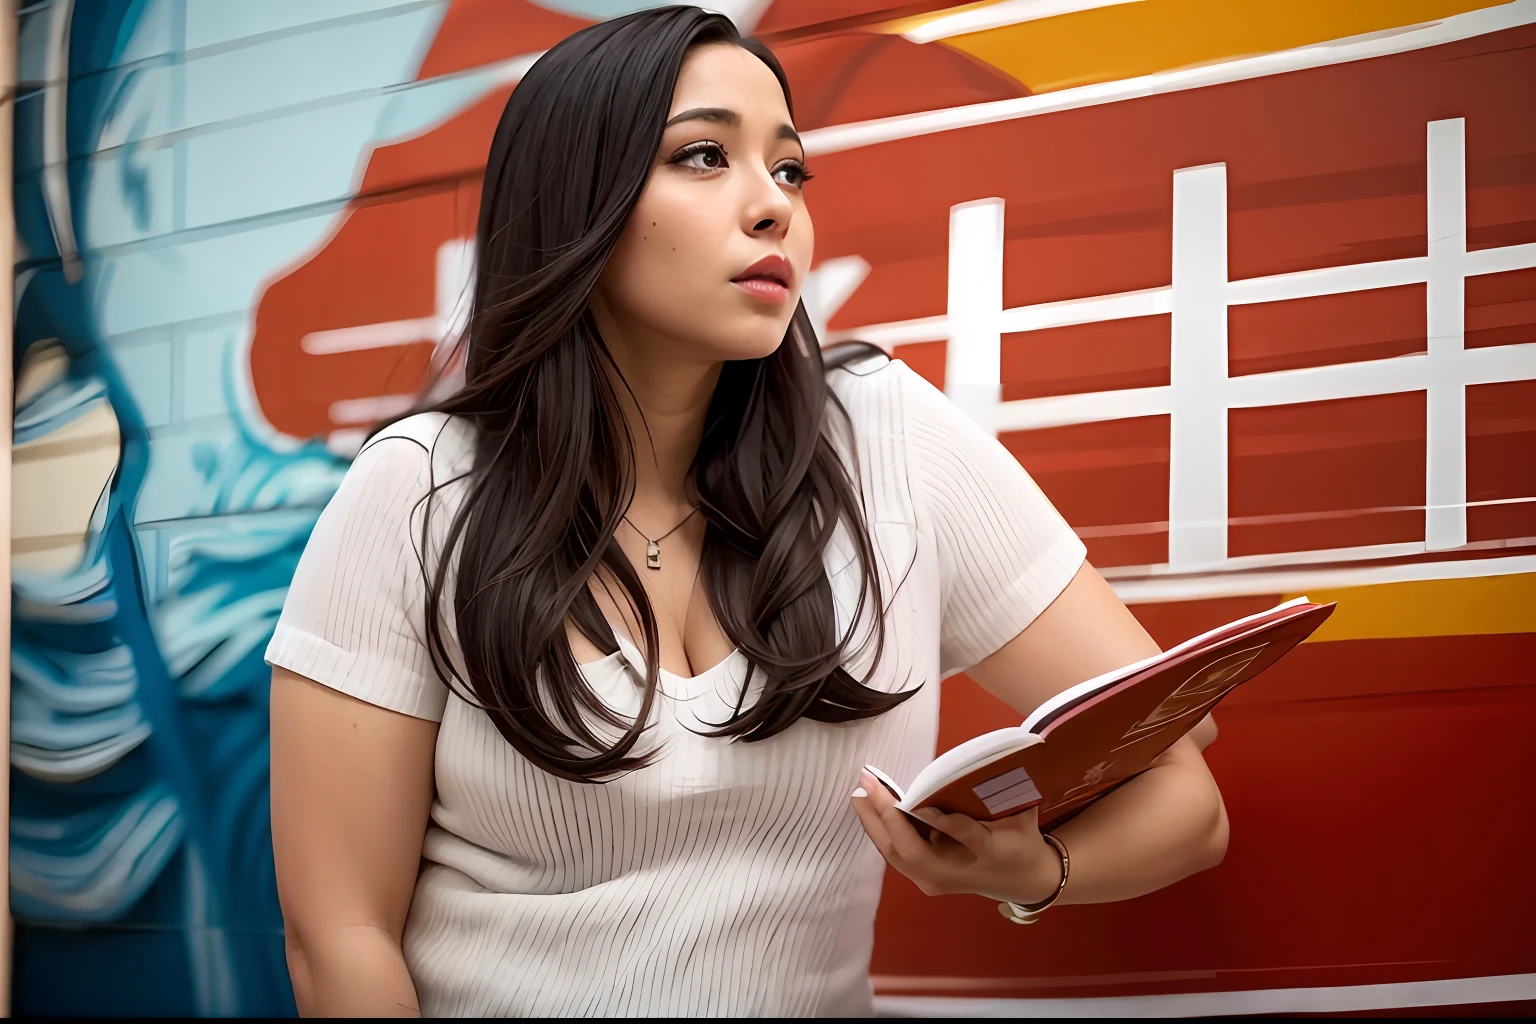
[1090,738]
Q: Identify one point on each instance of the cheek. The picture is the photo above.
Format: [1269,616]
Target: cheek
[668,250]
[801,241]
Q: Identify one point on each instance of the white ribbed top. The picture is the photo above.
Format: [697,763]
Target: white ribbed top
[726,877]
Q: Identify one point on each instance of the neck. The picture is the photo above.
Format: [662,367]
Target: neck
[665,400]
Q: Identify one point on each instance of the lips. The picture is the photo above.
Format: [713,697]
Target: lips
[769,278]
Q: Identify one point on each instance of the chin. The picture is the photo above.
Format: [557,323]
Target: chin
[748,340]
[767,347]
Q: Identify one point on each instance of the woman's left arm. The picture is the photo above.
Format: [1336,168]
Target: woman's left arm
[1163,825]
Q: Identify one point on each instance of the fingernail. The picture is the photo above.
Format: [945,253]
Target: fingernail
[859,794]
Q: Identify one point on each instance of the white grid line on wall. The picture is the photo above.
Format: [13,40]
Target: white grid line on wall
[1200,392]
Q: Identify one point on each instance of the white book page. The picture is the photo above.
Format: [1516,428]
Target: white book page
[963,759]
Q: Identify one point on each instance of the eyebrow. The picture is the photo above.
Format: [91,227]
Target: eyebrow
[731,119]
[717,115]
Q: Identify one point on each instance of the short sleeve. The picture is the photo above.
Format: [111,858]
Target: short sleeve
[353,617]
[1004,551]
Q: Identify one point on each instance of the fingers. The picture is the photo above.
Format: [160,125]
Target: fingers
[879,797]
[908,844]
[1027,822]
[962,854]
[904,840]
[896,839]
[963,829]
[874,827]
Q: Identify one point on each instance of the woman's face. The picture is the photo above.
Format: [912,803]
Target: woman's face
[714,256]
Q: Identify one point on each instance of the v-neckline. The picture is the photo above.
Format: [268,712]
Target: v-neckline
[631,653]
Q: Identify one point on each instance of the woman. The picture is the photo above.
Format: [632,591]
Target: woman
[580,667]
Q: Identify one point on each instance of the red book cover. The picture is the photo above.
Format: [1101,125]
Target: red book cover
[1090,738]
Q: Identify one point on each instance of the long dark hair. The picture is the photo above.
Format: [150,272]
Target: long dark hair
[553,459]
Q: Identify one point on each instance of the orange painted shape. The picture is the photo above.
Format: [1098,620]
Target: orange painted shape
[346,284]
[1501,163]
[795,18]
[1501,308]
[1107,356]
[1325,329]
[478,32]
[1501,460]
[455,149]
[926,358]
[857,77]
[896,289]
[1326,474]
[1110,481]
[1126,40]
[1477,606]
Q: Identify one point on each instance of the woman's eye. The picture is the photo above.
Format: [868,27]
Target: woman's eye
[791,174]
[704,157]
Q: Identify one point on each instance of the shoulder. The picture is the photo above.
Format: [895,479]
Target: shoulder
[870,394]
[870,385]
[883,394]
[402,464]
[433,444]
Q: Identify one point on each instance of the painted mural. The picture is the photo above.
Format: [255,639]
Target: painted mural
[1250,289]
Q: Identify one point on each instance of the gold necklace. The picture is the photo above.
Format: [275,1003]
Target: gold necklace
[653,546]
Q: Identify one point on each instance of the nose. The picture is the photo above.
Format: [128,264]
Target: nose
[768,210]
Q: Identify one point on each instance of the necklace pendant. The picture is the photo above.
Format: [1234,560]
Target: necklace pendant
[652,555]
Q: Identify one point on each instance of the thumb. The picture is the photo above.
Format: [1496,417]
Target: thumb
[963,829]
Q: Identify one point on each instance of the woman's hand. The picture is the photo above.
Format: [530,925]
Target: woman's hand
[1003,860]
